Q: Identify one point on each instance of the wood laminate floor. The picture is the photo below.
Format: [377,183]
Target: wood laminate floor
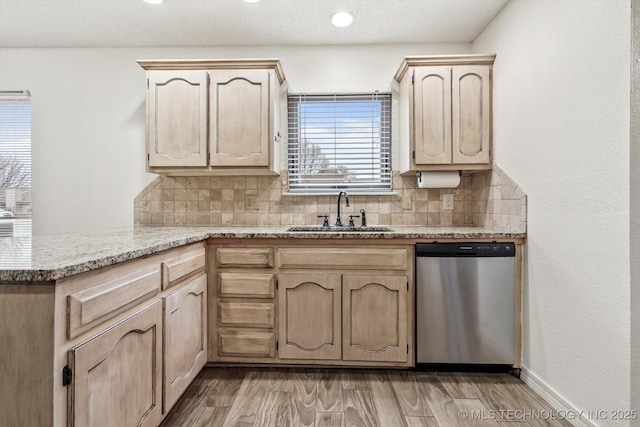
[352,397]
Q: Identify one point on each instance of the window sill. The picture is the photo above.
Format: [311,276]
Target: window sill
[350,192]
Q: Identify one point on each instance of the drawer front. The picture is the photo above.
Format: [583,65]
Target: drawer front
[344,258]
[92,306]
[246,344]
[244,257]
[246,285]
[184,263]
[247,314]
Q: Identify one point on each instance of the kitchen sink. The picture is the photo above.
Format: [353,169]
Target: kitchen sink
[337,229]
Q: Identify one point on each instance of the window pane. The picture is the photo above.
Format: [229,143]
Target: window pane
[15,164]
[339,142]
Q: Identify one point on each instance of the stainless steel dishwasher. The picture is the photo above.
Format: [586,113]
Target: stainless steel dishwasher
[465,303]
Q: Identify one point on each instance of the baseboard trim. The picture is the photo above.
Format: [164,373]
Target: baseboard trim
[556,402]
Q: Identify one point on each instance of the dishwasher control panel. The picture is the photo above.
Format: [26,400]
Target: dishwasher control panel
[475,249]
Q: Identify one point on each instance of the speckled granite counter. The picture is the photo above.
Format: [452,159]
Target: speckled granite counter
[52,257]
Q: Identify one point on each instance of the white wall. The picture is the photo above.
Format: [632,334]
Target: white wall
[635,208]
[88,116]
[561,118]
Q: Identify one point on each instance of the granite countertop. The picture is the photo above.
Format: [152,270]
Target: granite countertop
[52,257]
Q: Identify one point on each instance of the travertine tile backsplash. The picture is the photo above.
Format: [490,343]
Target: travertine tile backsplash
[489,199]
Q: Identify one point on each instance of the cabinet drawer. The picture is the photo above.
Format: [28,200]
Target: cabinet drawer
[184,263]
[110,297]
[247,285]
[248,314]
[244,257]
[246,343]
[345,258]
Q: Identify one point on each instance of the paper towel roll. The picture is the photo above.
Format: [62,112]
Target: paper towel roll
[448,179]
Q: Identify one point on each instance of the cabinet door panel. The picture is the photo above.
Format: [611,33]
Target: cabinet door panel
[185,338]
[309,316]
[239,101]
[471,114]
[118,375]
[432,115]
[375,318]
[177,118]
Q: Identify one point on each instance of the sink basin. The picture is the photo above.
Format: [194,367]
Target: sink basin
[336,229]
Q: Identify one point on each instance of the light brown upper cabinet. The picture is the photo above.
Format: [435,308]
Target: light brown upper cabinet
[177,118]
[214,117]
[445,112]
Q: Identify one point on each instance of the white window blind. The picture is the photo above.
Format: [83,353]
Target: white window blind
[339,142]
[15,163]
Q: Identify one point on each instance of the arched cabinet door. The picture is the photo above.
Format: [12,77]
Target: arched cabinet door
[432,115]
[310,323]
[177,118]
[471,105]
[239,104]
[375,318]
[185,334]
[117,376]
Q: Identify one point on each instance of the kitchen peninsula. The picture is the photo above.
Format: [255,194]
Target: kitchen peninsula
[80,310]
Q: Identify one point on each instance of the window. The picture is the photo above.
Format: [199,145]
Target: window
[339,142]
[15,163]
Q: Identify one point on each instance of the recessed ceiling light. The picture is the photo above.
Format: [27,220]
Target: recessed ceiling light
[251,1]
[342,19]
[152,1]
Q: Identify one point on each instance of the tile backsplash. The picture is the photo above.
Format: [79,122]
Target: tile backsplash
[488,199]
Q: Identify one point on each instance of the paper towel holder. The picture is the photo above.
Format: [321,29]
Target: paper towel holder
[419,175]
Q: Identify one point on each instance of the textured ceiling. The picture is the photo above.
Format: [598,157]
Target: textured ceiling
[125,23]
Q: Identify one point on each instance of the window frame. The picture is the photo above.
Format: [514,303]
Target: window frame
[16,148]
[373,175]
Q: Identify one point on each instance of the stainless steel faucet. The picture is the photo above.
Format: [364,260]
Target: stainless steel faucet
[346,198]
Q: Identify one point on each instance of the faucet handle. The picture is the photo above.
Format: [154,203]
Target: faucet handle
[364,218]
[325,223]
[351,224]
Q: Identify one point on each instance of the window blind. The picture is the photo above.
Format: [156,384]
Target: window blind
[339,142]
[15,161]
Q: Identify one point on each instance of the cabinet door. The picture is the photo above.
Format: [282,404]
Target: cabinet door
[309,316]
[375,318]
[432,115]
[118,374]
[177,118]
[471,114]
[239,101]
[185,316]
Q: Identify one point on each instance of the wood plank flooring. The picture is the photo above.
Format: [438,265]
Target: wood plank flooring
[353,397]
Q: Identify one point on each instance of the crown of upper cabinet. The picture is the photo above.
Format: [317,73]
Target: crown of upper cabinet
[409,61]
[213,64]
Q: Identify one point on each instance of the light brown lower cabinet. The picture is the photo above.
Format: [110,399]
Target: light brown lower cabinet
[350,317]
[185,337]
[281,302]
[374,318]
[310,316]
[118,374]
